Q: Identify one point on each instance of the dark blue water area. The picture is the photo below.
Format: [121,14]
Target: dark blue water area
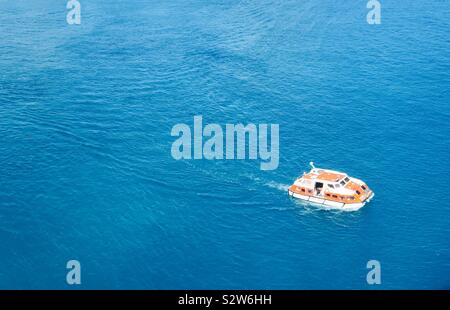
[86,170]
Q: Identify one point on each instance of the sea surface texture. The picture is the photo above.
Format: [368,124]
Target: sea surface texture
[86,171]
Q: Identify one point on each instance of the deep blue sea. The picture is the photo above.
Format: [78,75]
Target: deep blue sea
[86,171]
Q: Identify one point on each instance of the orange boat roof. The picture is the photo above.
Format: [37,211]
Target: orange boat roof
[325,175]
[329,176]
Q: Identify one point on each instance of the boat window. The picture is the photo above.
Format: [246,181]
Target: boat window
[334,196]
[342,182]
[358,192]
[303,190]
[330,185]
[363,187]
[346,179]
[352,198]
[328,195]
[337,185]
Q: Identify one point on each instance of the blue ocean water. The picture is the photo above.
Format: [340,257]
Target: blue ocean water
[86,171]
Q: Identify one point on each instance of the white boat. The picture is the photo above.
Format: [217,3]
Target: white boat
[332,189]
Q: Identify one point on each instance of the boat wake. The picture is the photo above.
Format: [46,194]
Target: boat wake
[279,186]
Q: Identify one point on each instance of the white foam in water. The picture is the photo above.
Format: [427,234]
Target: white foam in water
[271,184]
[279,186]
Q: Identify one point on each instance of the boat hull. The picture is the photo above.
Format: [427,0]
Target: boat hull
[329,204]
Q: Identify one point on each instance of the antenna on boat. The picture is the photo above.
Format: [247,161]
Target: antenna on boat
[311,163]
